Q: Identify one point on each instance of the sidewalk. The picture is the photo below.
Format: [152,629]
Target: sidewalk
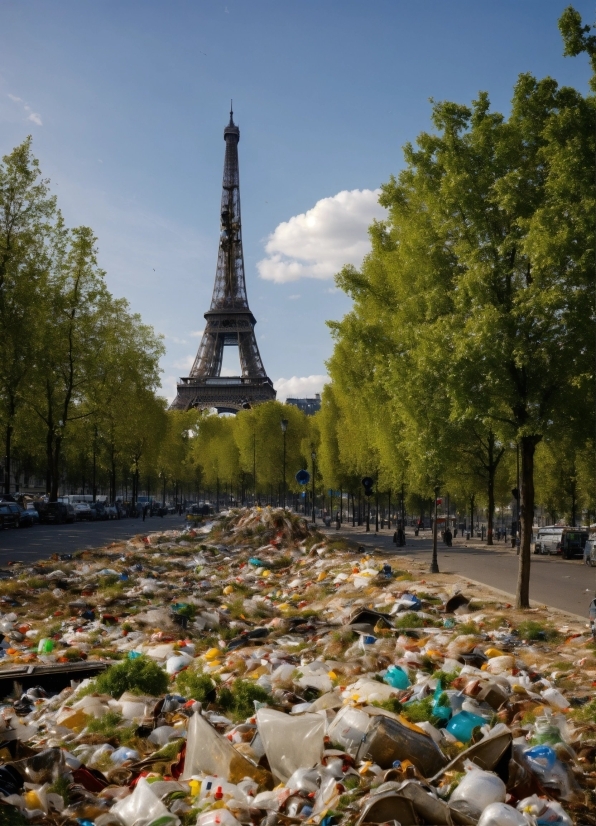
[386,535]
[564,585]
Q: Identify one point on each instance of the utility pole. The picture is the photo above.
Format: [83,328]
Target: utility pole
[434,565]
[254,468]
[313,456]
[284,427]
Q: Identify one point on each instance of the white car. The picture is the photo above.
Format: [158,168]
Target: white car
[111,511]
[83,511]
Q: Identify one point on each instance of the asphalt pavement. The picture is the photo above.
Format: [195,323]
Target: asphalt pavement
[41,541]
[568,585]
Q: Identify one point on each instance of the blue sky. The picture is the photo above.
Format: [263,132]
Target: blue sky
[127,99]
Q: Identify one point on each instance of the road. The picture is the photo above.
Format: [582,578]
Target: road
[41,541]
[567,585]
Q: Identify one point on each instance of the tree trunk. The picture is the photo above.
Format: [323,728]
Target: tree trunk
[573,503]
[491,507]
[472,500]
[113,481]
[7,463]
[528,447]
[55,469]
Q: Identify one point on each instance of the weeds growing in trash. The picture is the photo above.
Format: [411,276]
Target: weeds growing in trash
[195,684]
[139,676]
[537,631]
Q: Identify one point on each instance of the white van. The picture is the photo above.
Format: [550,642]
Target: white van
[548,540]
[554,539]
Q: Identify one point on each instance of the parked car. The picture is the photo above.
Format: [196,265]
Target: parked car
[8,518]
[55,512]
[26,518]
[111,511]
[99,509]
[84,511]
[32,513]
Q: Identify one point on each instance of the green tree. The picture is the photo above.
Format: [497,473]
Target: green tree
[176,461]
[70,357]
[260,443]
[28,217]
[471,308]
[215,450]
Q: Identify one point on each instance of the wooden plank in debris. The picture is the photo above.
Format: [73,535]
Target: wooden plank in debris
[51,677]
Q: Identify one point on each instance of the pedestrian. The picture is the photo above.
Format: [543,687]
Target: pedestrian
[448,537]
[337,521]
[395,538]
[144,512]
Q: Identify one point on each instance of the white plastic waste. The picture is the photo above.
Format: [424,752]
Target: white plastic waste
[480,788]
[163,734]
[143,807]
[291,742]
[177,663]
[217,817]
[555,699]
[349,728]
[500,814]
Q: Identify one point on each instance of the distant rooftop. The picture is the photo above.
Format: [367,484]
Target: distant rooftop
[307,405]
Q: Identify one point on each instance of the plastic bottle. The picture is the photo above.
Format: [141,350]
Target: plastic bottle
[546,731]
[555,698]
[440,712]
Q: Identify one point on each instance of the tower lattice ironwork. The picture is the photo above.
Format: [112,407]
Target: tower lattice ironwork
[230,323]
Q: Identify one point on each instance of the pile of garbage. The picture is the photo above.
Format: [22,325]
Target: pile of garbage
[254,671]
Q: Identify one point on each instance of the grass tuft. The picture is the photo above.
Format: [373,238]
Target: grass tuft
[139,676]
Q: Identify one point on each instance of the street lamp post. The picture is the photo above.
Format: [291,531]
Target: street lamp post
[368,483]
[434,565]
[254,469]
[284,427]
[313,456]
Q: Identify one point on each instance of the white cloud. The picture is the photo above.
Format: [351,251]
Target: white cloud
[184,363]
[175,339]
[317,243]
[34,117]
[294,297]
[197,333]
[299,387]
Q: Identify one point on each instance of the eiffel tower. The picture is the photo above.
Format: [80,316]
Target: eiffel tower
[230,322]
